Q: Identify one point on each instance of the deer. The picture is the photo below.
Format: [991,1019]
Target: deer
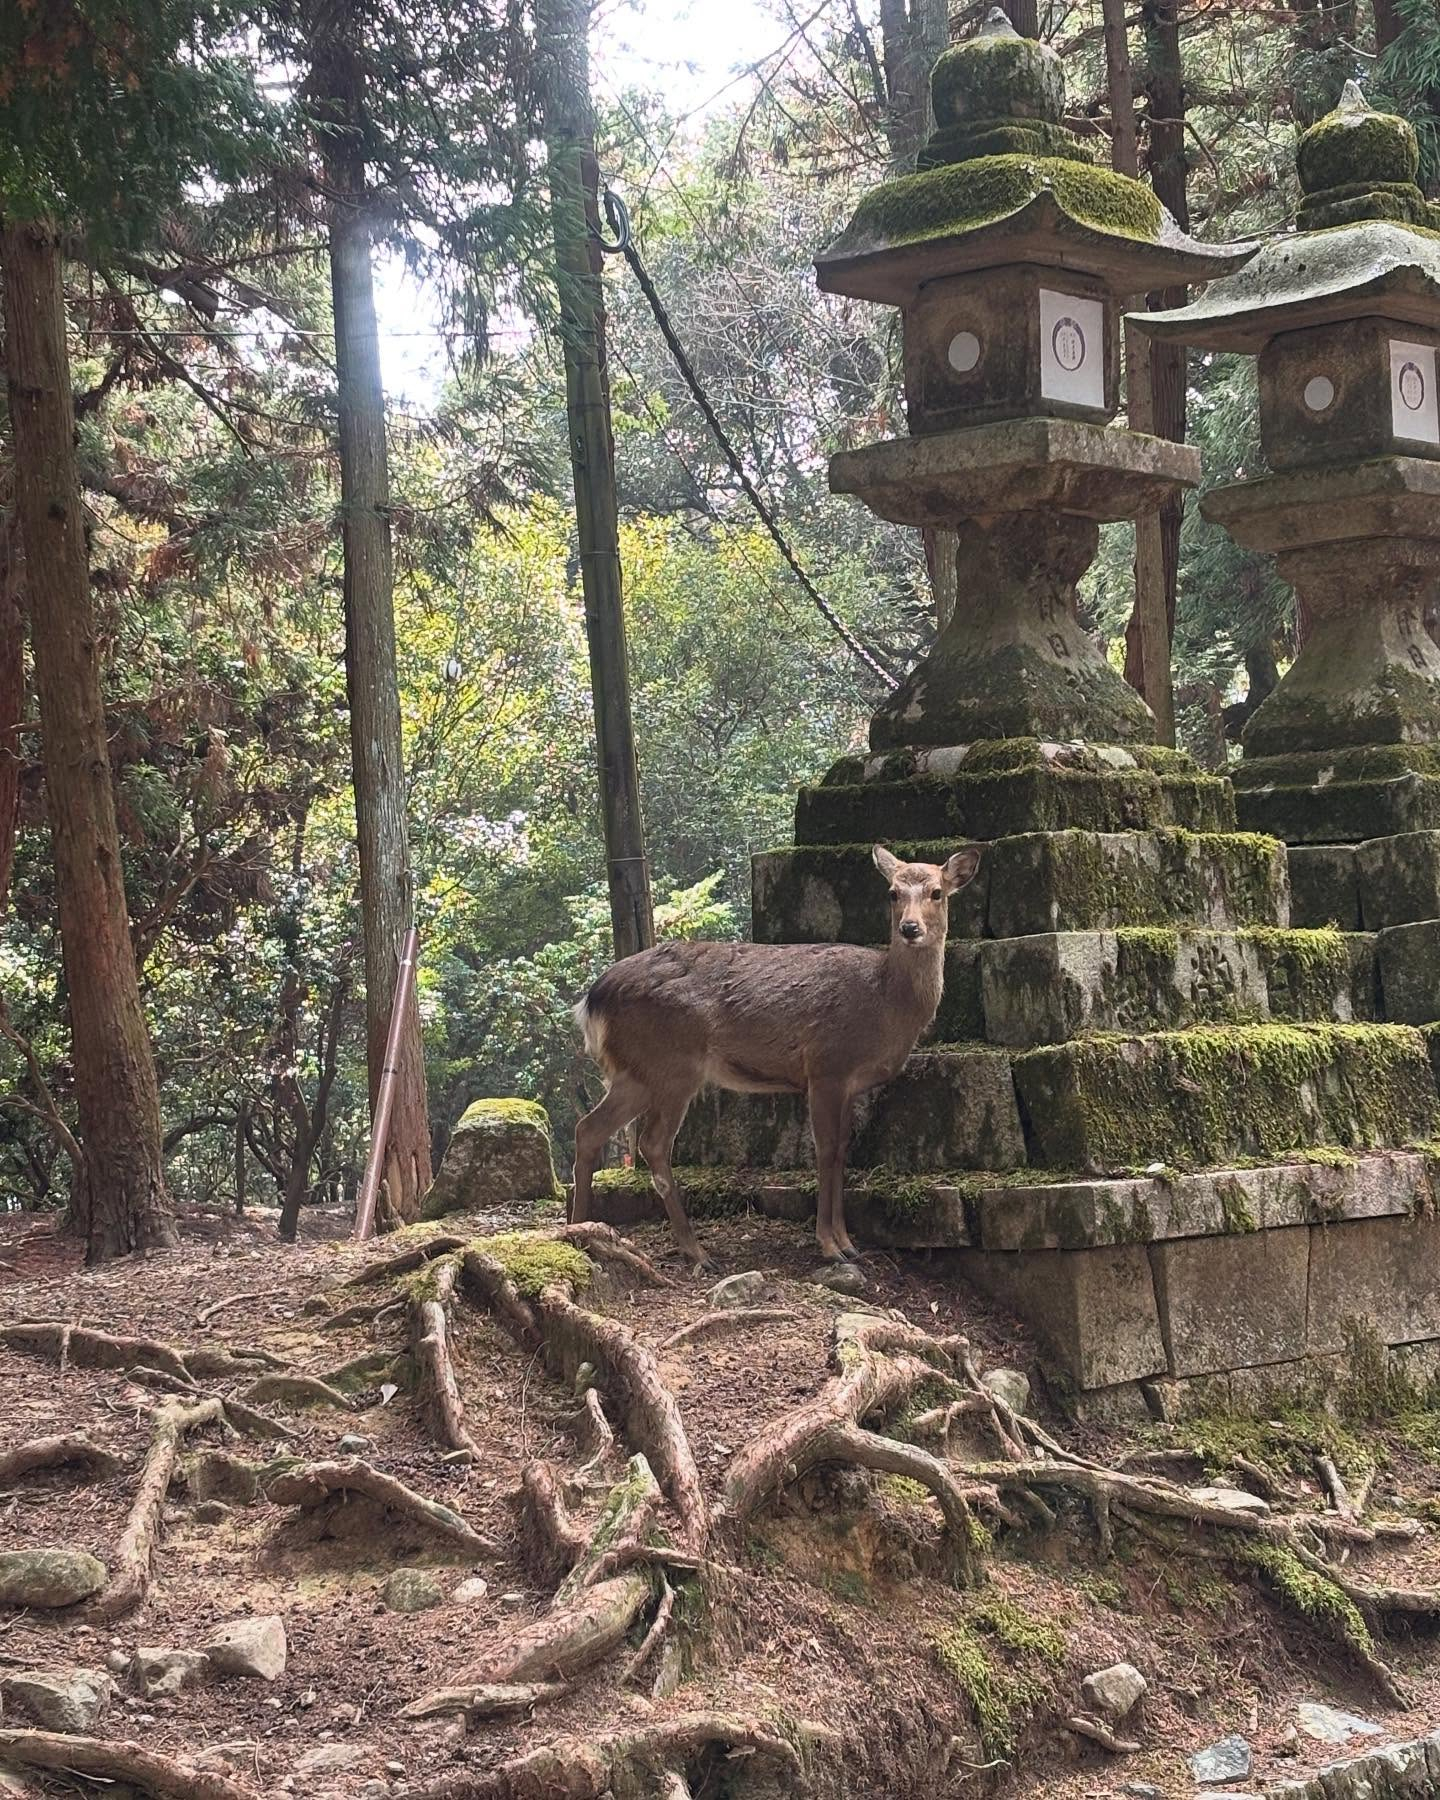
[830,1021]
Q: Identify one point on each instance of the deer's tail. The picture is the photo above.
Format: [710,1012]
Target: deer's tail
[591,1024]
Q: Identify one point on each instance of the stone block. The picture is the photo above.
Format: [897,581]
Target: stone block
[1345,810]
[1087,880]
[1056,985]
[1216,1094]
[499,1155]
[1410,971]
[1399,879]
[1226,1302]
[834,894]
[947,1109]
[1418,1367]
[1324,886]
[1380,1273]
[1094,1310]
[1319,974]
[1310,1381]
[960,1017]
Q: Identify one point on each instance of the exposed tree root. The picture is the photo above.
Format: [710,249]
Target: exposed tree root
[554,1542]
[310,1484]
[880,1365]
[487,1284]
[596,1437]
[626,1764]
[206,1313]
[109,1759]
[173,1419]
[364,1312]
[659,1625]
[296,1390]
[413,1258]
[55,1453]
[624,1521]
[605,1244]
[437,1390]
[729,1318]
[1100,1733]
[485,1700]
[238,1415]
[94,1349]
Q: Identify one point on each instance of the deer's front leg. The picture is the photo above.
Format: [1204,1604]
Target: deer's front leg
[828,1110]
[837,1211]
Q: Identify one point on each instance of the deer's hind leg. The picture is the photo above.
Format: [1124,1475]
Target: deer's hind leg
[831,1112]
[625,1099]
[663,1120]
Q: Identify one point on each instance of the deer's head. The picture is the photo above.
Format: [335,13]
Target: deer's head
[920,893]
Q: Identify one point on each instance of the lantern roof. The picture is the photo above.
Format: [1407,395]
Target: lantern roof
[1369,243]
[1003,180]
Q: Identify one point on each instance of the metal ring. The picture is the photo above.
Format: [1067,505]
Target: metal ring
[617,215]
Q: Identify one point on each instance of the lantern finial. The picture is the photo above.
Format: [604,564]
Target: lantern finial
[1357,164]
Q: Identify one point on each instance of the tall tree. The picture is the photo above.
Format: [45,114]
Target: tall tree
[105,114]
[337,90]
[121,1204]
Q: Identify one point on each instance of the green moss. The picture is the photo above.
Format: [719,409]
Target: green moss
[1103,1590]
[496,1115]
[1158,943]
[1354,146]
[708,1193]
[904,1490]
[961,1653]
[1307,1592]
[959,197]
[997,76]
[534,1262]
[1019,1631]
[850,1586]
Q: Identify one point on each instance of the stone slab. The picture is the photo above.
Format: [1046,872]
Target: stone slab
[1003,802]
[924,1214]
[1344,810]
[1094,1310]
[1035,882]
[1226,1302]
[1319,974]
[1074,1215]
[1384,1273]
[952,1108]
[1324,886]
[1399,879]
[960,1017]
[1410,971]
[1215,1095]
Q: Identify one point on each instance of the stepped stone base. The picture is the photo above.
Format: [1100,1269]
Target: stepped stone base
[1376,883]
[1340,796]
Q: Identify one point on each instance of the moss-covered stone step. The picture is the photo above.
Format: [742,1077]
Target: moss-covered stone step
[951,1108]
[922,1212]
[1377,883]
[993,790]
[1057,985]
[1340,796]
[1215,1093]
[1034,882]
[1323,1189]
[1409,962]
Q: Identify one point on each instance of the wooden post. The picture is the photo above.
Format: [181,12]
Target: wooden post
[400,1013]
[569,126]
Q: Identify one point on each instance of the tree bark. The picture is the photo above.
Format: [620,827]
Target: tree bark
[122,1204]
[1024,16]
[12,686]
[386,888]
[1157,375]
[1388,24]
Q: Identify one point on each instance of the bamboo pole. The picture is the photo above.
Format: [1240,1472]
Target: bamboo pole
[385,1099]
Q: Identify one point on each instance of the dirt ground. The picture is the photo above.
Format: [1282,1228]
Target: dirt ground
[829,1608]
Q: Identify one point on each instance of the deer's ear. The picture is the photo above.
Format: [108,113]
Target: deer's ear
[888,865]
[959,872]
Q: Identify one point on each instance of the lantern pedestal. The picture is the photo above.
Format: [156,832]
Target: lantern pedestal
[1026,498]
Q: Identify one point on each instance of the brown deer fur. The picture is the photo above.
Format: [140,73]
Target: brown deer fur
[825,1020]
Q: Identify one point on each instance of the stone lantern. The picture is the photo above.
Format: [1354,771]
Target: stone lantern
[1344,317]
[1010,254]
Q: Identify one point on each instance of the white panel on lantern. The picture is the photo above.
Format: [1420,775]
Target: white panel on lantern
[1413,410]
[1072,349]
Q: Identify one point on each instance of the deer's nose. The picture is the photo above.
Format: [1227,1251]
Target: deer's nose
[911,929]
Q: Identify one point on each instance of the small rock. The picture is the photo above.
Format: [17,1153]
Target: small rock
[212,1512]
[159,1671]
[743,1289]
[584,1378]
[1232,1499]
[375,1790]
[239,1753]
[412,1590]
[172,1515]
[512,1599]
[1328,1725]
[1114,1691]
[248,1647]
[329,1759]
[144,1718]
[59,1699]
[49,1577]
[1010,1386]
[1143,1790]
[394,1768]
[314,1304]
[474,1588]
[840,1278]
[1227,1760]
[307,1699]
[116,1661]
[352,1444]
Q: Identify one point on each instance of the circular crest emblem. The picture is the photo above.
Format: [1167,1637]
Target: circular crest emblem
[1067,341]
[1411,383]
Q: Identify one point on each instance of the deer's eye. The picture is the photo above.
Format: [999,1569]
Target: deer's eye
[937,893]
[894,893]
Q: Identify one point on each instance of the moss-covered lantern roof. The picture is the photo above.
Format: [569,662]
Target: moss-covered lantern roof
[1003,180]
[1368,243]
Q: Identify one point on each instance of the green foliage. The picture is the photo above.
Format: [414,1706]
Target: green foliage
[533,1263]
